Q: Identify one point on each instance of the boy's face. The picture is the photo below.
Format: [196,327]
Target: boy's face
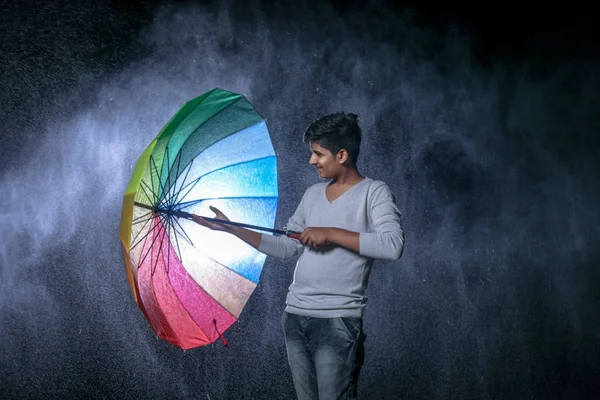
[324,161]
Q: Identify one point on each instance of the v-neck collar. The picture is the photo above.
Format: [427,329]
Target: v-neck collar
[343,194]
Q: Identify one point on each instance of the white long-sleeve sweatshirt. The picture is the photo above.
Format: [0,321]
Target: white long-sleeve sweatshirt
[333,283]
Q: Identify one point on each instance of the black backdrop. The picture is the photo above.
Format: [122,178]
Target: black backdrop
[483,120]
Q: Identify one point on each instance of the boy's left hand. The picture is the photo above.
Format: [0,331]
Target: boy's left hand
[315,237]
[325,239]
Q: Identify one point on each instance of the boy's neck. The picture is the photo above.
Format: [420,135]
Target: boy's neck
[349,176]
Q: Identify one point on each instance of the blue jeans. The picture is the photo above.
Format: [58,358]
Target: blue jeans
[325,355]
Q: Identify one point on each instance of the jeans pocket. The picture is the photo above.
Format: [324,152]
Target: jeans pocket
[352,326]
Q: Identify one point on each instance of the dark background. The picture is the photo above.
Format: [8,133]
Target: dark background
[483,119]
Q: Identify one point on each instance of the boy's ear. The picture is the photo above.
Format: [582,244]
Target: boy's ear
[342,156]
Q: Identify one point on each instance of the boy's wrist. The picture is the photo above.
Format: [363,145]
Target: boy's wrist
[331,234]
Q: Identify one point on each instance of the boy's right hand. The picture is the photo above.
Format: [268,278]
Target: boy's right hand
[212,224]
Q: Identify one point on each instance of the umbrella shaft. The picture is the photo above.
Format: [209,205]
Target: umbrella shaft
[183,214]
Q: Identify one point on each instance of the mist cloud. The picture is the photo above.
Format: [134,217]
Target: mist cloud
[491,202]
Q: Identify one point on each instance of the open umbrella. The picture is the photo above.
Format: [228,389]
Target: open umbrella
[190,282]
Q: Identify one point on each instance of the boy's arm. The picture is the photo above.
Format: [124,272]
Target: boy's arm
[251,237]
[281,247]
[387,239]
[317,237]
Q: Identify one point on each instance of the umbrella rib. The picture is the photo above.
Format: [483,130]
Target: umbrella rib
[144,186]
[206,255]
[171,197]
[187,172]
[152,201]
[182,188]
[151,189]
[167,264]
[142,218]
[229,269]
[171,201]
[153,270]
[160,252]
[151,244]
[233,165]
[222,138]
[176,195]
[168,199]
[206,291]
[184,205]
[209,295]
[177,242]
[182,233]
[165,192]
[144,237]
[175,234]
[211,117]
[209,257]
[238,163]
[195,181]
[168,248]
[159,180]
[262,120]
[161,187]
[212,144]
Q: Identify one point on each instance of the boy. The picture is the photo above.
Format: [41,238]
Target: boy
[345,223]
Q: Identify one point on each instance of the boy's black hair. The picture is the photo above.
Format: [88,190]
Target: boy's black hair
[335,132]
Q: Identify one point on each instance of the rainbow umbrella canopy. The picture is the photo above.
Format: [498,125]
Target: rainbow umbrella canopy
[190,282]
